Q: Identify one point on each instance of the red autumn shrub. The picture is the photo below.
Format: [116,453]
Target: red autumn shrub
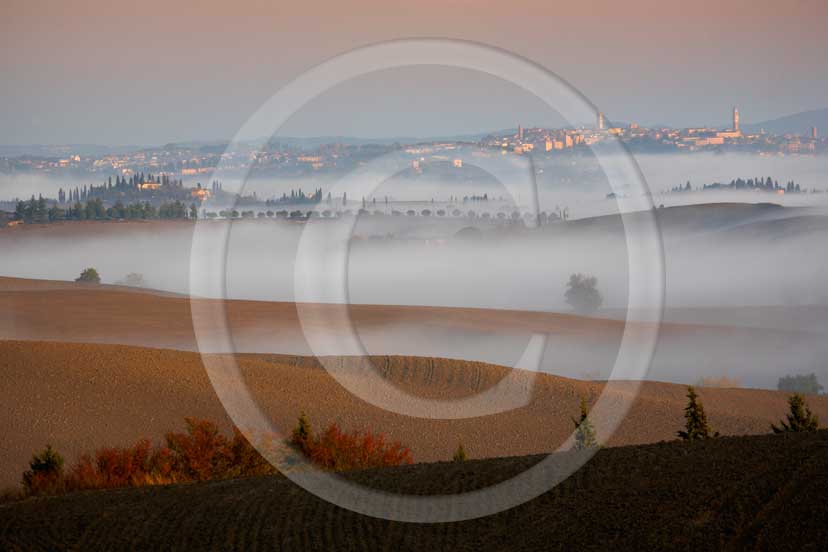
[141,464]
[337,450]
[44,484]
[243,460]
[120,466]
[84,475]
[201,453]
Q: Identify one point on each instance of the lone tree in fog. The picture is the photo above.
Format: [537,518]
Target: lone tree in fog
[800,383]
[800,419]
[696,426]
[89,276]
[459,454]
[582,293]
[584,432]
[133,279]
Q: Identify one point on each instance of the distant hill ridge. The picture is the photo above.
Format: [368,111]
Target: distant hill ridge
[797,123]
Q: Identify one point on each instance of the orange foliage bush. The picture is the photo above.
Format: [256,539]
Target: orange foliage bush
[202,453]
[199,454]
[243,458]
[337,450]
[141,464]
[44,484]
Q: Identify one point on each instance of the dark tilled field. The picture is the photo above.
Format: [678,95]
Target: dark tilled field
[736,493]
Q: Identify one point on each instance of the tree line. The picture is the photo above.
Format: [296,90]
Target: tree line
[39,210]
[298,196]
[758,183]
[121,186]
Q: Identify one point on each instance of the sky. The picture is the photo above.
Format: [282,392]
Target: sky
[153,72]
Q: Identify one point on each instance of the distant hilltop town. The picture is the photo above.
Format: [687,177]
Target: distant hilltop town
[290,158]
[642,139]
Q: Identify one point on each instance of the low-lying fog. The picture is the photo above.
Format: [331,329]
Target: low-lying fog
[761,268]
[573,182]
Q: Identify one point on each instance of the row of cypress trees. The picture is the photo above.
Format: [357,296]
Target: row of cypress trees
[799,418]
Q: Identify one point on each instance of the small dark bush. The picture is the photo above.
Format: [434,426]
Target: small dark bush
[459,454]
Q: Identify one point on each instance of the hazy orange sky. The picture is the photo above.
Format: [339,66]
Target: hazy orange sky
[153,72]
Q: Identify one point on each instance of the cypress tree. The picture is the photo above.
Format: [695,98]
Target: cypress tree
[20,211]
[303,434]
[584,432]
[800,419]
[459,454]
[696,425]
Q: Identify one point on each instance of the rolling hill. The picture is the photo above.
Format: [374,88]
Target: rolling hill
[740,493]
[79,397]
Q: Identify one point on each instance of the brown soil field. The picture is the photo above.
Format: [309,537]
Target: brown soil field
[736,493]
[54,310]
[577,346]
[79,397]
[68,311]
